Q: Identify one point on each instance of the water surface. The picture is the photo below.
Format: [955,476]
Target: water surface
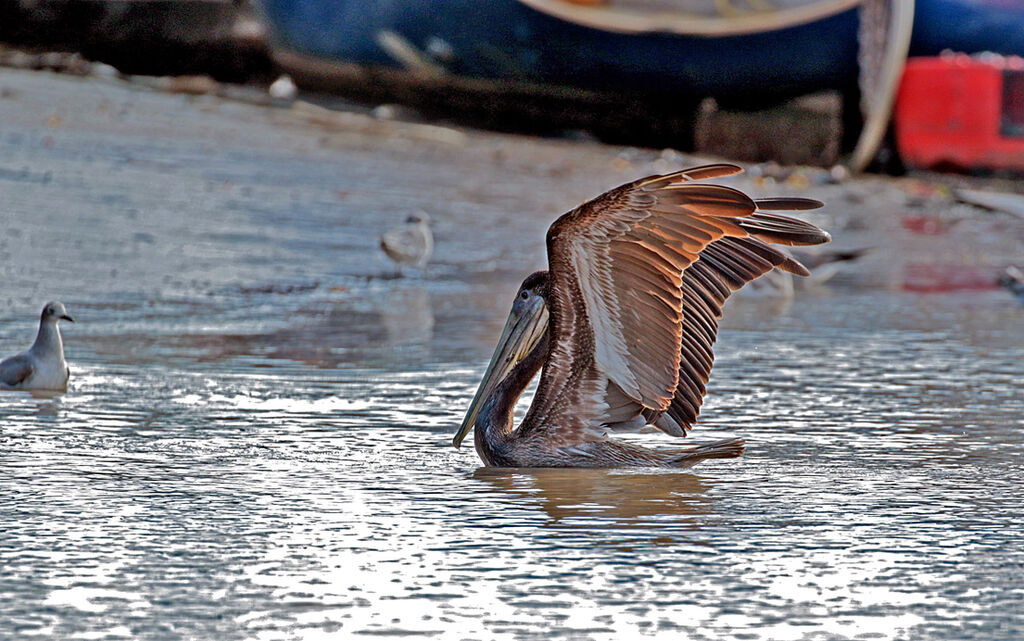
[255,442]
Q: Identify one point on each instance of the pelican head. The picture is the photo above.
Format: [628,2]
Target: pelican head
[55,311]
[525,327]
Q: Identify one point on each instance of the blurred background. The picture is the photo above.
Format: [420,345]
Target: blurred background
[791,81]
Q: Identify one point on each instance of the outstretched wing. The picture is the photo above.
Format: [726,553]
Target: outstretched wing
[638,277]
[15,370]
[723,267]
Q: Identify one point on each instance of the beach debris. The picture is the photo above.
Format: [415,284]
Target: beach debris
[283,89]
[1007,203]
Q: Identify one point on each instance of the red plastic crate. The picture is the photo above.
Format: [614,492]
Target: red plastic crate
[962,111]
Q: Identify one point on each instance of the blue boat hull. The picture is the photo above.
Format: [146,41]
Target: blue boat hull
[504,41]
[968,26]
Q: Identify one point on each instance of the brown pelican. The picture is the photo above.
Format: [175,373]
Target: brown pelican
[622,323]
[409,243]
[42,366]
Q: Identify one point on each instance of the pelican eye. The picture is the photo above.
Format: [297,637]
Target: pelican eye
[524,294]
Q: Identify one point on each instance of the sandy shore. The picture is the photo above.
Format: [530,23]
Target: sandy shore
[491,194]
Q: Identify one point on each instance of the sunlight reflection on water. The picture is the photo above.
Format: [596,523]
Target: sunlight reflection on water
[875,499]
[217,499]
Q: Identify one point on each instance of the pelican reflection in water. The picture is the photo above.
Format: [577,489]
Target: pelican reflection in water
[585,497]
[622,323]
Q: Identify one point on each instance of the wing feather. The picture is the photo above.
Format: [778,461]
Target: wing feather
[638,279]
[787,204]
[783,230]
[703,172]
[15,370]
[716,270]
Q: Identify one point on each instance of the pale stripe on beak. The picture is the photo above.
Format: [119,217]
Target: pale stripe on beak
[520,336]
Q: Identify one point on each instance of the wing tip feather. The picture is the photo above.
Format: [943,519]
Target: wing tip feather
[701,172]
[788,204]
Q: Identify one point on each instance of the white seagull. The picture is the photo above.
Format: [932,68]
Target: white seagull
[42,367]
[409,243]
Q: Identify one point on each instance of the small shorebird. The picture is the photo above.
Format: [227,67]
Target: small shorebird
[826,265]
[42,366]
[622,323]
[1012,278]
[410,243]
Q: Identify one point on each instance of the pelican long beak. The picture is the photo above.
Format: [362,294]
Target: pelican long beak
[521,334]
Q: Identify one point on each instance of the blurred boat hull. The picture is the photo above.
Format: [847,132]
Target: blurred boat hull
[513,45]
[968,26]
[609,68]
